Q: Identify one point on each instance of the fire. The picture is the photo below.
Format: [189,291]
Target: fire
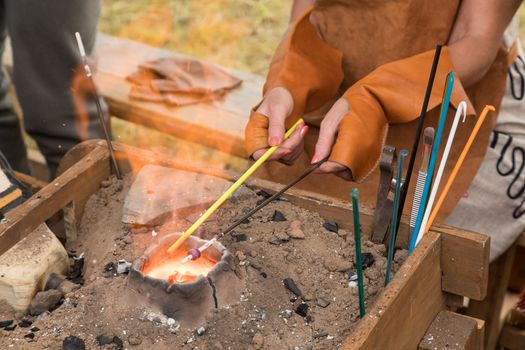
[167,266]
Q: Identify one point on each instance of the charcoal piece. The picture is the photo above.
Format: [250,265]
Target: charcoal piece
[73,343]
[77,269]
[25,323]
[264,194]
[200,331]
[278,216]
[119,344]
[35,329]
[352,276]
[10,328]
[331,226]
[240,237]
[290,284]
[6,323]
[29,336]
[264,274]
[260,201]
[308,319]
[302,310]
[104,340]
[367,259]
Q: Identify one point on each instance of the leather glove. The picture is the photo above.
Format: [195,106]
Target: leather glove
[308,68]
[392,93]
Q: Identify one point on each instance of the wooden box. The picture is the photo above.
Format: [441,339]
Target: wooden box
[447,265]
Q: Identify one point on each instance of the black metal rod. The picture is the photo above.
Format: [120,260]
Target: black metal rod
[100,113]
[276,195]
[417,136]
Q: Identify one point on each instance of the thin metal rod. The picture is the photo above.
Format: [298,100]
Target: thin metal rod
[96,97]
[276,195]
[417,137]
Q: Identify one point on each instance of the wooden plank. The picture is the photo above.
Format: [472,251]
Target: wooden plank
[79,181]
[512,338]
[489,309]
[450,330]
[33,183]
[400,316]
[218,124]
[200,123]
[465,261]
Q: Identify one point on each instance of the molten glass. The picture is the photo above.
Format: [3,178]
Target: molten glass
[165,266]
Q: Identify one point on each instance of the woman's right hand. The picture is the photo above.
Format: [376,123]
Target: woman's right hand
[277,106]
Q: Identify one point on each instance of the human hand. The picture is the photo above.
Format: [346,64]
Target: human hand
[277,106]
[327,136]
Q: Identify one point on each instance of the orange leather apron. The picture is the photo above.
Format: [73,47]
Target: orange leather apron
[373,32]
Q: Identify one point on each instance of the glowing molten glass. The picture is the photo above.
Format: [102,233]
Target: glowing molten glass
[162,265]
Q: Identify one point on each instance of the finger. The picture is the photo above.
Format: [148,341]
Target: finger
[277,115]
[293,144]
[328,130]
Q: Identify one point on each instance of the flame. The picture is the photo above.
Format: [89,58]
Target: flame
[167,267]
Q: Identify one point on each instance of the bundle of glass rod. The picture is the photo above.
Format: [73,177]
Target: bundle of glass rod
[432,163]
[461,111]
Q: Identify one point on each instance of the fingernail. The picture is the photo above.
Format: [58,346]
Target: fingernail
[274,141]
[315,159]
[304,130]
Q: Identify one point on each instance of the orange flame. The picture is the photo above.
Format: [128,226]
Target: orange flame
[162,265]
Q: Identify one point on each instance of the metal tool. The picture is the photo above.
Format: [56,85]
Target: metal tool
[384,201]
[96,97]
[393,224]
[194,254]
[428,140]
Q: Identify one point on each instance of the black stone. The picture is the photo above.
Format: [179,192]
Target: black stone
[278,216]
[76,270]
[302,310]
[110,267]
[331,226]
[320,335]
[10,328]
[264,274]
[264,194]
[25,323]
[73,343]
[104,340]
[367,259]
[276,241]
[35,329]
[118,343]
[29,336]
[240,237]
[290,284]
[352,276]
[6,323]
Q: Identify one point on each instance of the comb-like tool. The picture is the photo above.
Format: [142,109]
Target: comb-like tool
[428,141]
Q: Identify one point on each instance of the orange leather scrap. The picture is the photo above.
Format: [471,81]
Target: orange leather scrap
[180,81]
